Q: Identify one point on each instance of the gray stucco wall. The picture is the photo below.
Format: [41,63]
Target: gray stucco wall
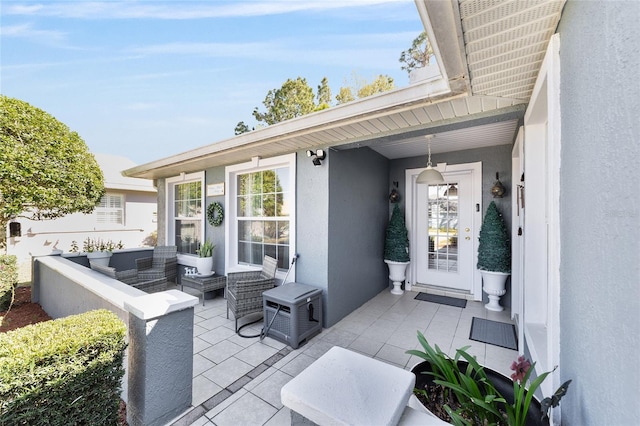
[216,233]
[358,217]
[312,224]
[494,159]
[342,212]
[600,212]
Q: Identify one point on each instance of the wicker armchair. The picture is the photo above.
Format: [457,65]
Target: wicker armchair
[130,276]
[163,264]
[244,289]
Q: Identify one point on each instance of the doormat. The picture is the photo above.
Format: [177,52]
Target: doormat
[494,333]
[443,300]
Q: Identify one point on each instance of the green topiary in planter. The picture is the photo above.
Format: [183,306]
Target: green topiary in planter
[494,250]
[396,246]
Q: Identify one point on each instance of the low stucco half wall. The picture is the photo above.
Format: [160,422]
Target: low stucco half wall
[159,362]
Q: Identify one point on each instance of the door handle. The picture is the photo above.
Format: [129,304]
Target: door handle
[467,238]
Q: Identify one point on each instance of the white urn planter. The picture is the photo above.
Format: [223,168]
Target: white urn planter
[204,265]
[493,283]
[396,274]
[99,257]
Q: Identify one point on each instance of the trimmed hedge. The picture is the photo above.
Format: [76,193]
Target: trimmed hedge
[63,372]
[8,279]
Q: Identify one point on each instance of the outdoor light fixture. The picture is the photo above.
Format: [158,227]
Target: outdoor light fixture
[430,175]
[318,156]
[498,189]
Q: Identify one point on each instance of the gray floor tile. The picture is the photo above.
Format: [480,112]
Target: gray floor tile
[281,418]
[269,389]
[247,410]
[203,389]
[227,372]
[201,364]
[256,353]
[221,351]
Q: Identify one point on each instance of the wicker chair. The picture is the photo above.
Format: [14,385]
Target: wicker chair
[244,289]
[163,264]
[130,276]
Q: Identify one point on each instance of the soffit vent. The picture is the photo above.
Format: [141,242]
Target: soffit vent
[505,41]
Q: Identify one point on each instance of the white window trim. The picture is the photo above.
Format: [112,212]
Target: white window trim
[170,232]
[541,280]
[230,228]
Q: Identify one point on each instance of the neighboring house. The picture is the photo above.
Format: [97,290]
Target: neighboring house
[544,91]
[127,213]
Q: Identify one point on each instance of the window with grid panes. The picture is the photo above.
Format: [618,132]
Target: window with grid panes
[187,216]
[263,201]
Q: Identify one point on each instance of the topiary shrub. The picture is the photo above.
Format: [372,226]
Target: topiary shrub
[63,372]
[396,245]
[494,249]
[8,279]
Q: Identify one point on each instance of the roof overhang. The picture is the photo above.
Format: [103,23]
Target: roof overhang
[486,72]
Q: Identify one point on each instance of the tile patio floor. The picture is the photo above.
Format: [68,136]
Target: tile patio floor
[237,381]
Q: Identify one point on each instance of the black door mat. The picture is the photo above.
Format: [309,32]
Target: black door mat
[443,300]
[494,333]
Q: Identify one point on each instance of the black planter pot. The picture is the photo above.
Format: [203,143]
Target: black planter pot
[503,384]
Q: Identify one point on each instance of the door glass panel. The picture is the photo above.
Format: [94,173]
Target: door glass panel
[443,227]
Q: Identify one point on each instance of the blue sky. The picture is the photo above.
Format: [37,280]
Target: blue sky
[149,79]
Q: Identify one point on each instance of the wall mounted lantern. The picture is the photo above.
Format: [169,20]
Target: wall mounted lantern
[498,188]
[318,156]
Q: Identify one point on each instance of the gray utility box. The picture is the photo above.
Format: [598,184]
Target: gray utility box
[294,312]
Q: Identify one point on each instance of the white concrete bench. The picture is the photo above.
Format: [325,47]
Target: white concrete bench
[346,388]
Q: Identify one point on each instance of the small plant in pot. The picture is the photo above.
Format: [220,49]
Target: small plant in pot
[494,256]
[396,249]
[98,250]
[204,262]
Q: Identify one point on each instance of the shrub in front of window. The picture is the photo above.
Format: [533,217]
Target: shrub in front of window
[65,371]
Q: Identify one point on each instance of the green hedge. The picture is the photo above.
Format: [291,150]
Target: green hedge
[8,279]
[63,372]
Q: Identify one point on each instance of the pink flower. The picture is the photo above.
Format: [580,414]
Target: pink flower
[521,367]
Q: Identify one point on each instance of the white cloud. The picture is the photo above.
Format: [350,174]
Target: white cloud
[29,32]
[181,10]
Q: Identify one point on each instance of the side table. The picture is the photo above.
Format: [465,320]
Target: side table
[204,284]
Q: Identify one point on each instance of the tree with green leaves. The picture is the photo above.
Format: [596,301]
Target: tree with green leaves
[46,170]
[324,94]
[418,55]
[294,99]
[241,128]
[382,83]
[362,88]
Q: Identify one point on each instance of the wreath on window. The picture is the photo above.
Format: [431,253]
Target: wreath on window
[215,214]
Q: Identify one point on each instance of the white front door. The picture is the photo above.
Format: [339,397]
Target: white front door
[443,221]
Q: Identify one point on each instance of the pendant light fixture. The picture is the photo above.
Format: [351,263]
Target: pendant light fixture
[430,175]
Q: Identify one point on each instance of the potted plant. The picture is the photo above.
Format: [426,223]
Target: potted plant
[204,262]
[396,249]
[494,256]
[98,251]
[460,391]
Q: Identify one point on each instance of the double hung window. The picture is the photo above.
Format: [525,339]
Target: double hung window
[261,206]
[185,220]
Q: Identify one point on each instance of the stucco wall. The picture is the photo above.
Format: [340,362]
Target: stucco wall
[600,212]
[312,227]
[358,217]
